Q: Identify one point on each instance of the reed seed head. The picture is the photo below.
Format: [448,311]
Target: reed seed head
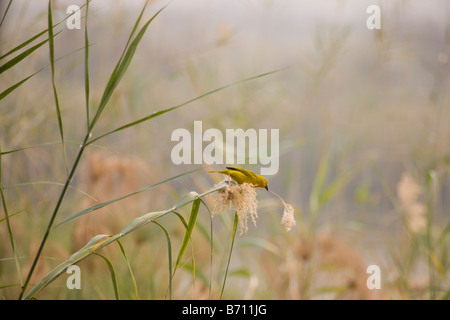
[288,217]
[240,197]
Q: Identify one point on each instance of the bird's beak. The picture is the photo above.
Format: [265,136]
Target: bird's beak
[267,188]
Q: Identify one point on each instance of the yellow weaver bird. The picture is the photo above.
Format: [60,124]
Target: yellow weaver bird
[245,176]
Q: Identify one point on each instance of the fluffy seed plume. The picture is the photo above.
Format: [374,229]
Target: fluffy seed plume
[243,199]
[288,218]
[240,197]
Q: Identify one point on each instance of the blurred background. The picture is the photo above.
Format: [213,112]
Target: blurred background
[364,124]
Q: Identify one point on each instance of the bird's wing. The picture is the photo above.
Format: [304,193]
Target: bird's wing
[247,173]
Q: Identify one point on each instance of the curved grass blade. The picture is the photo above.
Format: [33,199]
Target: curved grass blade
[119,62]
[25,43]
[143,220]
[187,198]
[94,244]
[181,219]
[229,256]
[52,67]
[122,66]
[335,186]
[187,230]
[161,112]
[133,279]
[38,146]
[15,86]
[100,241]
[187,236]
[133,31]
[11,63]
[9,227]
[241,272]
[18,84]
[169,254]
[49,183]
[113,275]
[103,204]
[9,285]
[260,243]
[6,11]
[218,187]
[29,147]
[11,215]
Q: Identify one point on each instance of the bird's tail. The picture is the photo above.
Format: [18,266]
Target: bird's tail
[222,171]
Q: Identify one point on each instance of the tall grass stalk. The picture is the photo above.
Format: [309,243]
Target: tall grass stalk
[53,217]
[134,39]
[9,227]
[86,64]
[112,84]
[432,261]
[233,236]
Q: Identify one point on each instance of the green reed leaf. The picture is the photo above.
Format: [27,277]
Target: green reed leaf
[104,204]
[122,66]
[161,112]
[169,254]
[133,279]
[113,275]
[187,236]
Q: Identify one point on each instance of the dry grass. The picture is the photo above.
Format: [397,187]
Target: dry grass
[322,267]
